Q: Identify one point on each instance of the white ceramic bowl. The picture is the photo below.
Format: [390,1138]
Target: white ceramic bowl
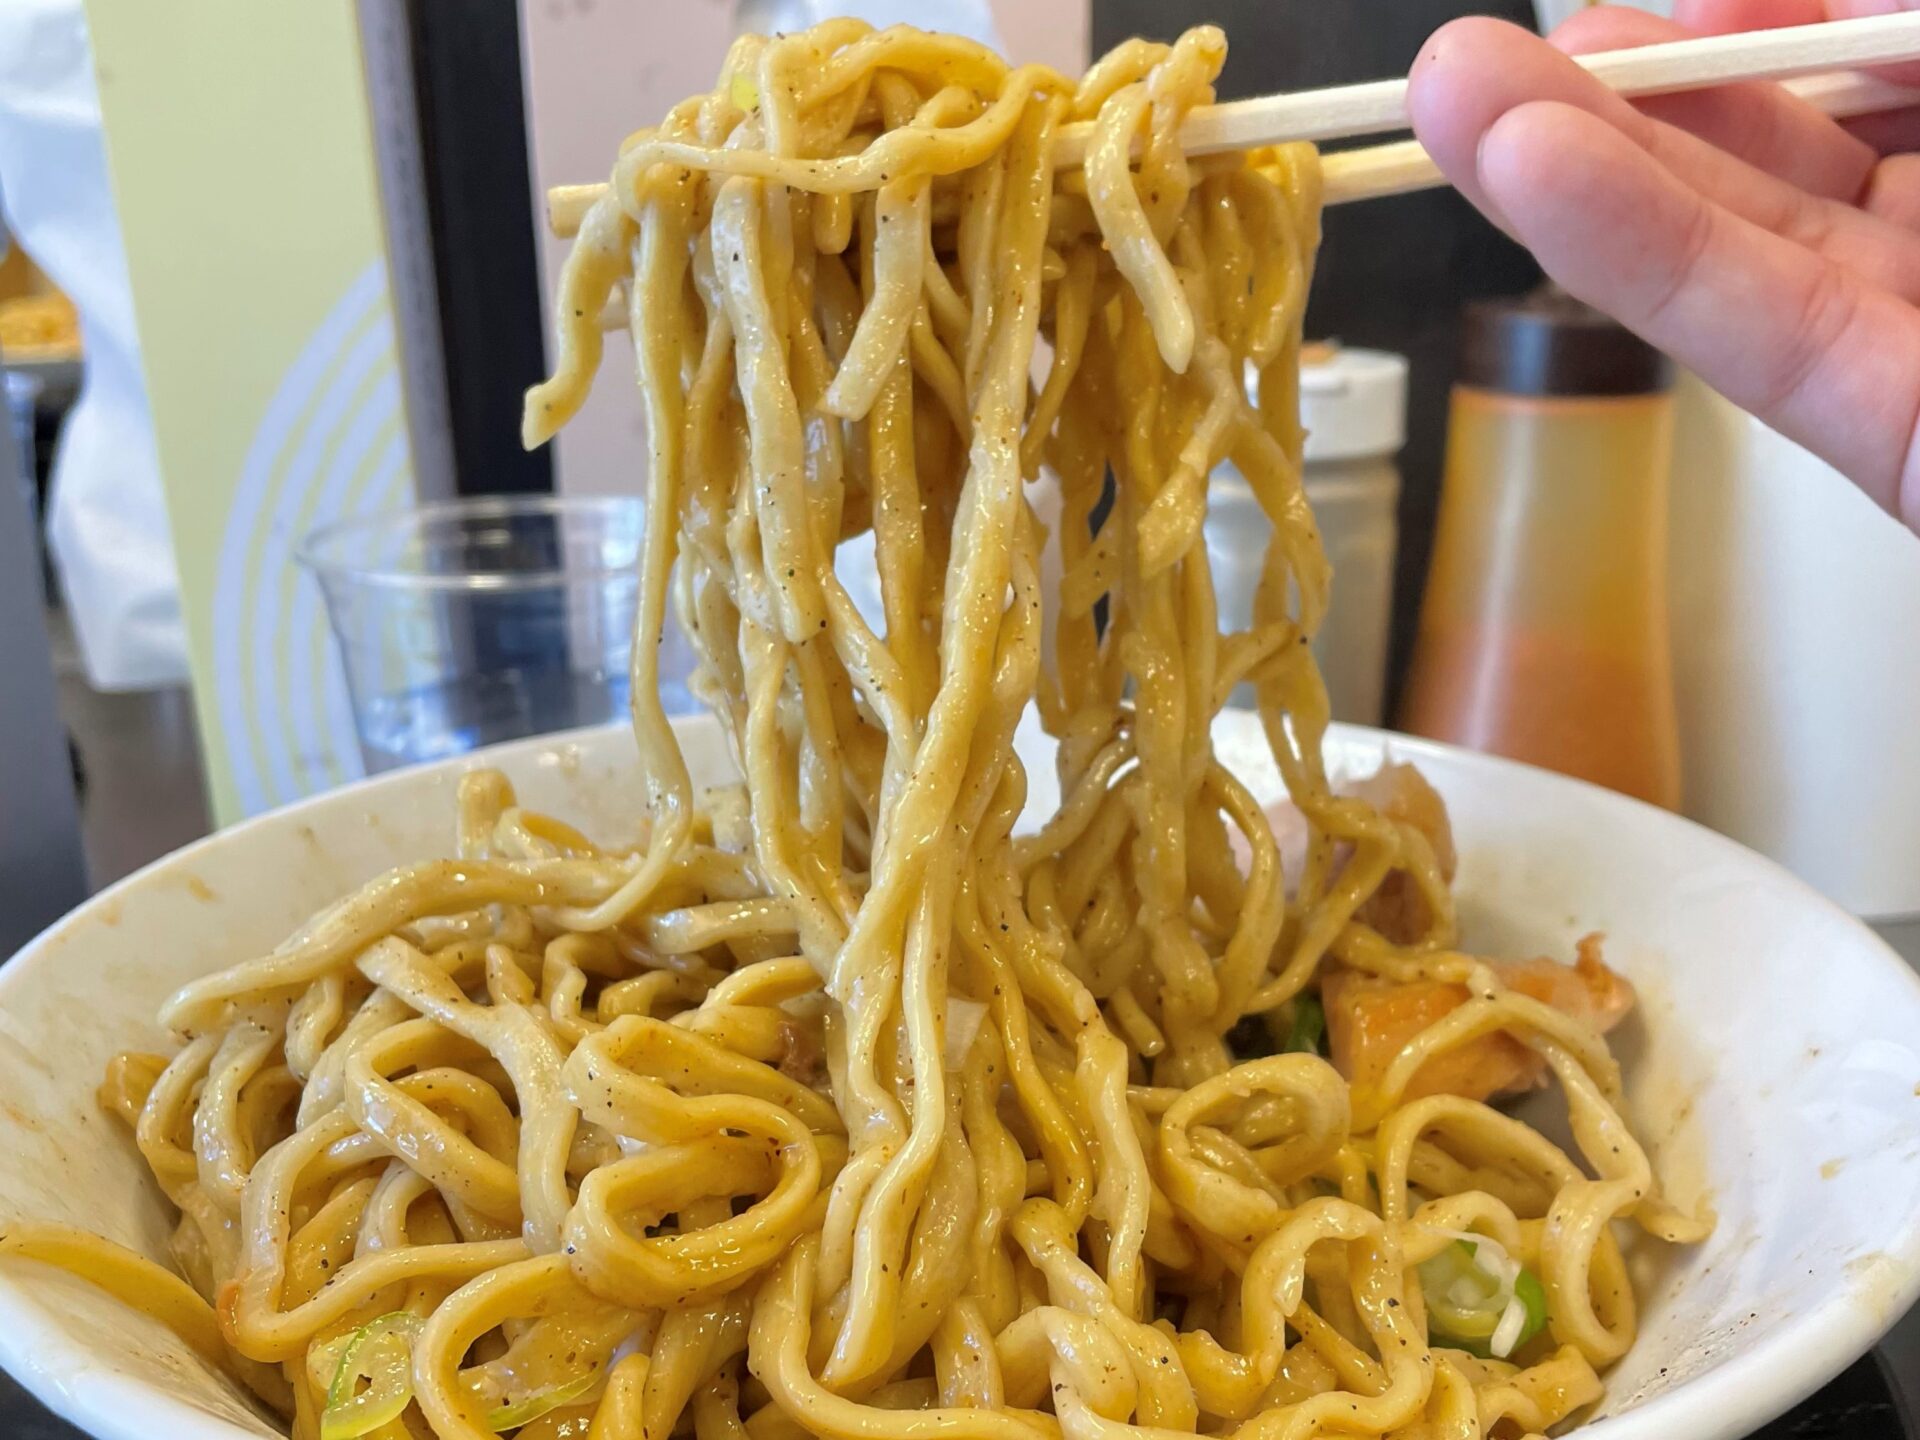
[1775,1065]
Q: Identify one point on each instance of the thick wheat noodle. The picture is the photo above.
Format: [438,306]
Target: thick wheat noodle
[831,1107]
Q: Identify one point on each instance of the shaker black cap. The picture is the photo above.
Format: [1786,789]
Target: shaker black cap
[1549,344]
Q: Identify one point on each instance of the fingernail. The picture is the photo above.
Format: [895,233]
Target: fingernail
[1488,207]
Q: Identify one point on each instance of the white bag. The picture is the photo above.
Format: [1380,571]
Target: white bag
[107,520]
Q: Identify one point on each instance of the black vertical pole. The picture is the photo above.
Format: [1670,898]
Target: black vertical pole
[479,209]
[43,871]
[473,142]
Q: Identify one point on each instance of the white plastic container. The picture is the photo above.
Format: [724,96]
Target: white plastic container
[1354,405]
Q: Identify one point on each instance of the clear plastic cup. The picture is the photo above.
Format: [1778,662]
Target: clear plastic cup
[475,621]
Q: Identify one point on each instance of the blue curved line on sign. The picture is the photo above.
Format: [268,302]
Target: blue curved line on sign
[316,687]
[339,398]
[390,486]
[316,761]
[251,497]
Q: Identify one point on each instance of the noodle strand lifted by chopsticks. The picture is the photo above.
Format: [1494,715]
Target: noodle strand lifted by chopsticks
[833,1107]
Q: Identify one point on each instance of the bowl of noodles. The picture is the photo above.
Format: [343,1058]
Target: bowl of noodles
[1769,1070]
[971,1029]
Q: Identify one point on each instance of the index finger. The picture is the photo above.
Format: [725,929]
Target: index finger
[1762,124]
[1802,343]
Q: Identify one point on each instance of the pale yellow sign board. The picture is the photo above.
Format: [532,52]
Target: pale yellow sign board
[244,172]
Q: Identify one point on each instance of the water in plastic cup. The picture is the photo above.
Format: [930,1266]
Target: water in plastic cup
[475,621]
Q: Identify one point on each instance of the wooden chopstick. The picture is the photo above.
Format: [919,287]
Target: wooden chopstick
[1381,106]
[1404,167]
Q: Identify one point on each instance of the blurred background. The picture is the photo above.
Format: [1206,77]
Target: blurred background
[270,275]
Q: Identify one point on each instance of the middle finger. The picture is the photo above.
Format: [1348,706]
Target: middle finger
[1762,124]
[1475,70]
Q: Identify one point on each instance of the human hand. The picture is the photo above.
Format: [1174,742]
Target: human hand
[1774,251]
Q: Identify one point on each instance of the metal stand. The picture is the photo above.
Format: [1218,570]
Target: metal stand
[43,871]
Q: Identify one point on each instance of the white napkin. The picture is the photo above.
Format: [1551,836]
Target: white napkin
[107,519]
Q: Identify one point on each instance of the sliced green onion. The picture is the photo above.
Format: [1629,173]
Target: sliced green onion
[1533,1296]
[523,1412]
[1309,1026]
[1460,1294]
[1480,1299]
[380,1353]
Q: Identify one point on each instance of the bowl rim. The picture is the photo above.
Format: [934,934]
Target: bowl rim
[1726,1402]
